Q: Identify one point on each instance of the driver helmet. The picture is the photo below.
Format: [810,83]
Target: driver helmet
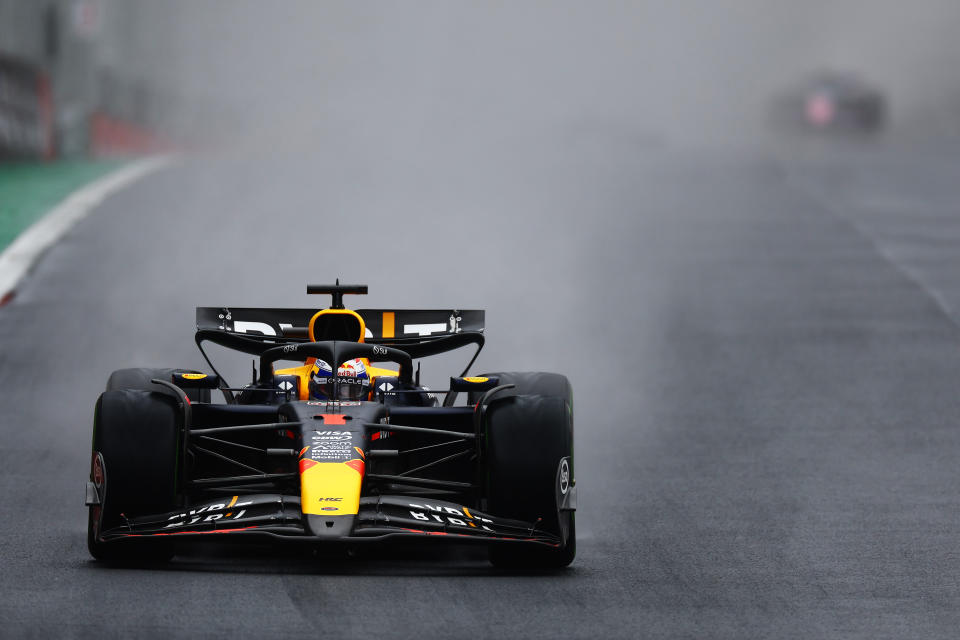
[350,383]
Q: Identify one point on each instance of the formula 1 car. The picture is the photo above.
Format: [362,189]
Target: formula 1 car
[317,454]
[832,102]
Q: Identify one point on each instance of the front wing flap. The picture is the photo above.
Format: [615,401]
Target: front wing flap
[432,517]
[264,512]
[378,518]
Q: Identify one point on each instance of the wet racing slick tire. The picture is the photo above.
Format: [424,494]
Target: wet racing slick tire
[529,465]
[136,440]
[140,377]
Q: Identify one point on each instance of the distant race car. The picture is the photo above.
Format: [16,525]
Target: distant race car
[833,102]
[334,450]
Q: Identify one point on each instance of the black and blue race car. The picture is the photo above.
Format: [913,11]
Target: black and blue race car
[343,447]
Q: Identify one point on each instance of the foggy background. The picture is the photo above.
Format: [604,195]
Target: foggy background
[474,77]
[429,72]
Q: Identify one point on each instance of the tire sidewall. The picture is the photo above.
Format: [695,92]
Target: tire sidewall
[528,434]
[137,435]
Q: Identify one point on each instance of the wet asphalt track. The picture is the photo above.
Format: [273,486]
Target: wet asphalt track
[764,350]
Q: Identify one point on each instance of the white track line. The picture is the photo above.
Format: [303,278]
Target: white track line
[17,260]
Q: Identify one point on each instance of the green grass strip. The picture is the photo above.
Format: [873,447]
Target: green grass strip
[29,190]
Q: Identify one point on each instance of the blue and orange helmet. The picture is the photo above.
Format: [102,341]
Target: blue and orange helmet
[350,383]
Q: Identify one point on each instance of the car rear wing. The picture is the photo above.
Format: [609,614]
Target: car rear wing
[417,332]
[386,326]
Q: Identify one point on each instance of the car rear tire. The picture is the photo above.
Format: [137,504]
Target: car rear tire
[136,436]
[528,442]
[140,377]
